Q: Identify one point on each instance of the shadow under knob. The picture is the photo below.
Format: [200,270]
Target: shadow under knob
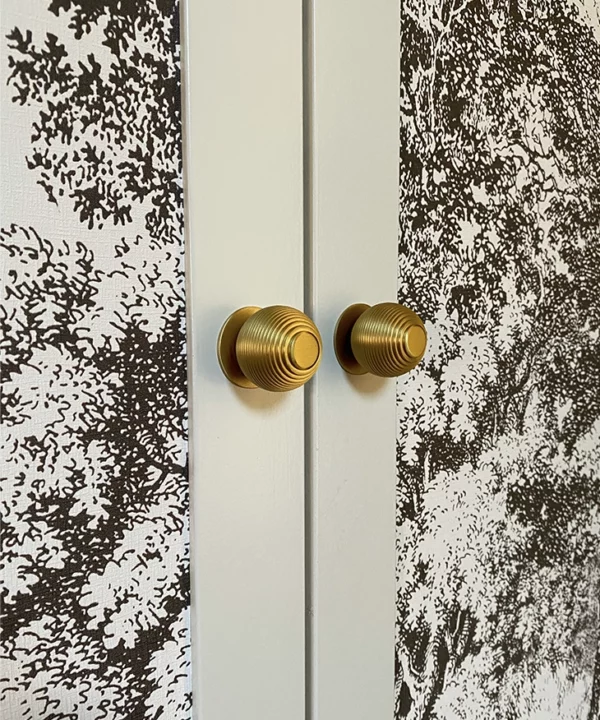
[276,348]
[386,340]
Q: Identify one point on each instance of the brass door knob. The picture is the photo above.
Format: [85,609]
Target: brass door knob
[386,339]
[276,348]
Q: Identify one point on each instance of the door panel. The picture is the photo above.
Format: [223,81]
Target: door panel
[352,91]
[244,200]
[498,430]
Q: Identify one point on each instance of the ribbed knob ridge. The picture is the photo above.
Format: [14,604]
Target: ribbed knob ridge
[276,348]
[386,340]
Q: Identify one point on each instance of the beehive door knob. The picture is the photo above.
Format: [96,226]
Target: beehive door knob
[277,348]
[386,340]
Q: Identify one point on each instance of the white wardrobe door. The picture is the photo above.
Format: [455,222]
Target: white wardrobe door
[352,91]
[243,95]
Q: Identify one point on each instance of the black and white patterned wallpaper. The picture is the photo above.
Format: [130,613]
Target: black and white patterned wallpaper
[94,487]
[498,497]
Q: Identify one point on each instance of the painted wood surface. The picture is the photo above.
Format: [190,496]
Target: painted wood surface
[243,87]
[352,133]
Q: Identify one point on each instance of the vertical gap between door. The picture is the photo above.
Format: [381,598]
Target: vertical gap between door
[307,138]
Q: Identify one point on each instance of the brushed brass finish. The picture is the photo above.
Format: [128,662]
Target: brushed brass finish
[276,348]
[342,341]
[226,347]
[386,340]
[305,350]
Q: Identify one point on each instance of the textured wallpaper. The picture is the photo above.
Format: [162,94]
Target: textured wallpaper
[498,497]
[93,488]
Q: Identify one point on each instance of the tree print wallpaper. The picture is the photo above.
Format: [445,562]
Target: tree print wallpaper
[94,487]
[498,496]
